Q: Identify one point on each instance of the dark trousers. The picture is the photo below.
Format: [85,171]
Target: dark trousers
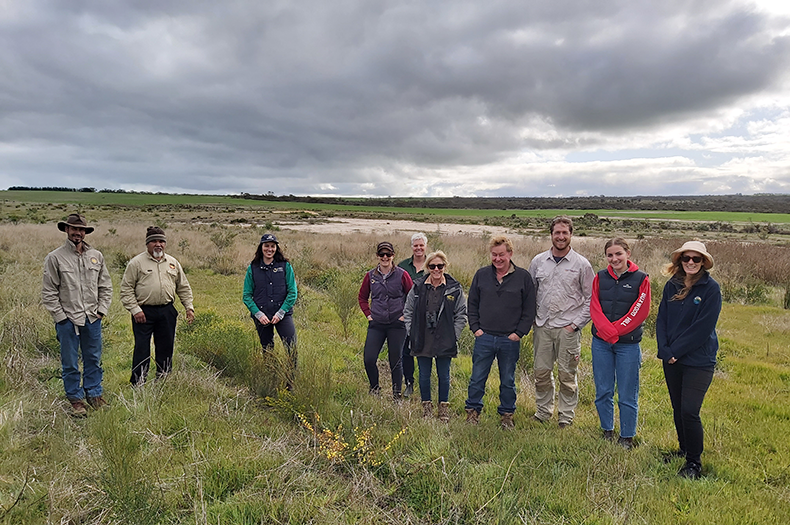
[160,321]
[286,329]
[394,334]
[687,387]
[408,362]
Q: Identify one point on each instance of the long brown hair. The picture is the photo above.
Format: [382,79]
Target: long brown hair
[678,274]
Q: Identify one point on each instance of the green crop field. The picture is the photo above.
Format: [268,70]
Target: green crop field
[10,199]
[218,443]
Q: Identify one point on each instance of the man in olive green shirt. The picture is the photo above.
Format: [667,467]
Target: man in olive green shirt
[150,283]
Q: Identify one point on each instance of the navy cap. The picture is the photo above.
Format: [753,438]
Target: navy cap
[269,237]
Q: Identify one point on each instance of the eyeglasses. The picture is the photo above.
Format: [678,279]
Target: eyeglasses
[385,254]
[435,266]
[686,258]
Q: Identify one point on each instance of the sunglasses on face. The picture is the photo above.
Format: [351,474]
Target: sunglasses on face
[385,254]
[435,266]
[686,258]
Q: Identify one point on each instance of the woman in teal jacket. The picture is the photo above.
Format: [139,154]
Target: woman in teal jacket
[269,294]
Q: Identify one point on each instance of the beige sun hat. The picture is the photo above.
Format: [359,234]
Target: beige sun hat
[694,246]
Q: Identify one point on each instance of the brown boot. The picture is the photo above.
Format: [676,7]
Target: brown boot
[472,416]
[506,420]
[78,408]
[427,409]
[444,412]
[97,402]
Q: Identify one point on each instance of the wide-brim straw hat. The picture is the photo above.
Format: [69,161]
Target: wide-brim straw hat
[694,246]
[75,220]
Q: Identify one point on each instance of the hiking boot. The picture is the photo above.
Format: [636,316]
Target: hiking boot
[563,424]
[506,420]
[444,412]
[608,435]
[409,389]
[427,409]
[536,418]
[626,443]
[472,416]
[78,408]
[690,470]
[97,402]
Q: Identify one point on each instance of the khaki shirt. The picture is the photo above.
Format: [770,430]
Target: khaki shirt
[149,282]
[77,286]
[564,289]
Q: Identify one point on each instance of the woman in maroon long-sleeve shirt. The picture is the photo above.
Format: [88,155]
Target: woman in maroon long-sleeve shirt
[381,298]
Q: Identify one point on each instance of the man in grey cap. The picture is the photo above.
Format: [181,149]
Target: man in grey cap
[150,283]
[77,292]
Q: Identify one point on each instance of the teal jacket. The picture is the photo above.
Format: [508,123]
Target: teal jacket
[290,298]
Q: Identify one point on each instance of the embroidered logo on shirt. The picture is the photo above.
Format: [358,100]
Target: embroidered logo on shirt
[697,299]
[172,266]
[451,298]
[274,270]
[94,260]
[626,285]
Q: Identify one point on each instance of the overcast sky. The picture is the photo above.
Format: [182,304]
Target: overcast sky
[401,98]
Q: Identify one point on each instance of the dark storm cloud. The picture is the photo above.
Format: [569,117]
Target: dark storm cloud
[294,96]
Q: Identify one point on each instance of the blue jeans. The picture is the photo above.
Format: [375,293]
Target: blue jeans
[72,338]
[617,363]
[442,374]
[506,352]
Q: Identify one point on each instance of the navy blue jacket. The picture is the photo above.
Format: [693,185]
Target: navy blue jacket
[686,329]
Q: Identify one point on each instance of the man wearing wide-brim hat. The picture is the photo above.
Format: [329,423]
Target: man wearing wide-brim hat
[77,292]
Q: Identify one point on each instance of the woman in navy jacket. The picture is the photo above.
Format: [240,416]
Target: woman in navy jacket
[619,306]
[687,344]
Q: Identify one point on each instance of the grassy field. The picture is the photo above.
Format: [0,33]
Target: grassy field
[12,201]
[218,444]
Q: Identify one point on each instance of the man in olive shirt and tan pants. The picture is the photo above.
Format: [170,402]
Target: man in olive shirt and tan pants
[150,283]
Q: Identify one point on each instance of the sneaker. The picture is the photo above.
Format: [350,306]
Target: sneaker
[472,416]
[97,402]
[626,443]
[690,470]
[444,412]
[427,409]
[409,390]
[608,435]
[564,424]
[78,408]
[506,420]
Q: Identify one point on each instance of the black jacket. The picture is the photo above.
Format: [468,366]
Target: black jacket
[449,323]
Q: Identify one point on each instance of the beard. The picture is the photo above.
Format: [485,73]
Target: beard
[159,253]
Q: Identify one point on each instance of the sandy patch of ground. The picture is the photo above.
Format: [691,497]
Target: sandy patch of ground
[389,227]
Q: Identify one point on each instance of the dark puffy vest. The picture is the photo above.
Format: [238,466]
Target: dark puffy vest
[617,297]
[386,295]
[270,289]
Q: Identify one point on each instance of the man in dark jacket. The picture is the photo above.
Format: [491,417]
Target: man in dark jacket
[501,311]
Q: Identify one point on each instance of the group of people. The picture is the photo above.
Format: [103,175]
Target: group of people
[420,310]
